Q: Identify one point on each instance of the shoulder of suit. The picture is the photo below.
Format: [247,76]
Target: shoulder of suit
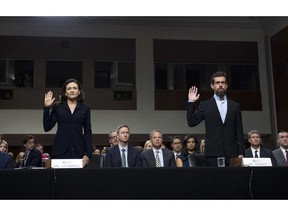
[168,151]
[277,150]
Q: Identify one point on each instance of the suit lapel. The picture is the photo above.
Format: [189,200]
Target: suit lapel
[165,159]
[229,111]
[117,155]
[152,158]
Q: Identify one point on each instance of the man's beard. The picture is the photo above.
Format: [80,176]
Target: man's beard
[221,93]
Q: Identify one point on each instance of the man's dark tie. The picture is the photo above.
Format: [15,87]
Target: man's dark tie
[123,158]
[26,157]
[256,155]
[286,156]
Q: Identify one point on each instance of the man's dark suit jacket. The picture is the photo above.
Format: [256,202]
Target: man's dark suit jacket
[34,159]
[264,153]
[6,161]
[220,139]
[279,157]
[113,157]
[73,139]
[148,158]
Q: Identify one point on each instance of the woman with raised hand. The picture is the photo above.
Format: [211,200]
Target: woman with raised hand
[73,139]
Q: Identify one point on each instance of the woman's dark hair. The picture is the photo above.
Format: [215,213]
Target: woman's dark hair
[81,97]
[185,140]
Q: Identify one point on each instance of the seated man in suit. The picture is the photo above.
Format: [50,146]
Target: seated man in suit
[122,155]
[281,154]
[6,161]
[256,150]
[157,156]
[33,157]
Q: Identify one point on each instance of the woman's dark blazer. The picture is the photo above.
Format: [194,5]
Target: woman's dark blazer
[74,132]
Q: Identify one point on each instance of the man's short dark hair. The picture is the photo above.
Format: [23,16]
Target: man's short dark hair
[218,74]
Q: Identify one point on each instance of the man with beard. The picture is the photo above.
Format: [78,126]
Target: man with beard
[223,121]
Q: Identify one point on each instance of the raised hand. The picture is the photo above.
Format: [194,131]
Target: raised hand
[192,95]
[48,100]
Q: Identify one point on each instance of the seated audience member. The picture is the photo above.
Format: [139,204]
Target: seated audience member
[256,150]
[45,156]
[122,154]
[157,156]
[113,138]
[202,146]
[176,145]
[19,160]
[33,156]
[281,153]
[97,151]
[4,146]
[147,145]
[139,148]
[6,160]
[190,146]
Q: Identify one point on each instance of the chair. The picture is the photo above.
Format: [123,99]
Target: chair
[96,161]
[197,160]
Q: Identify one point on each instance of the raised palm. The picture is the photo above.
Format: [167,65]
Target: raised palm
[192,95]
[48,100]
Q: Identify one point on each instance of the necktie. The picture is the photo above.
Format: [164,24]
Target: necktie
[286,156]
[256,155]
[158,162]
[26,158]
[123,158]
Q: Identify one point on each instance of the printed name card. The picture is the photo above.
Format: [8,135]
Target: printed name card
[66,163]
[254,162]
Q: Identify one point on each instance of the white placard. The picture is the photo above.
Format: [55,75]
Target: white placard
[66,163]
[254,162]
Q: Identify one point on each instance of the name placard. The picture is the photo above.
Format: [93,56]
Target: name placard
[256,162]
[66,163]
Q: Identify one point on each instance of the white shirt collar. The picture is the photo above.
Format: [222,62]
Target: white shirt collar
[217,98]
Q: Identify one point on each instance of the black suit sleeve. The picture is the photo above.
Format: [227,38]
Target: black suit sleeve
[194,118]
